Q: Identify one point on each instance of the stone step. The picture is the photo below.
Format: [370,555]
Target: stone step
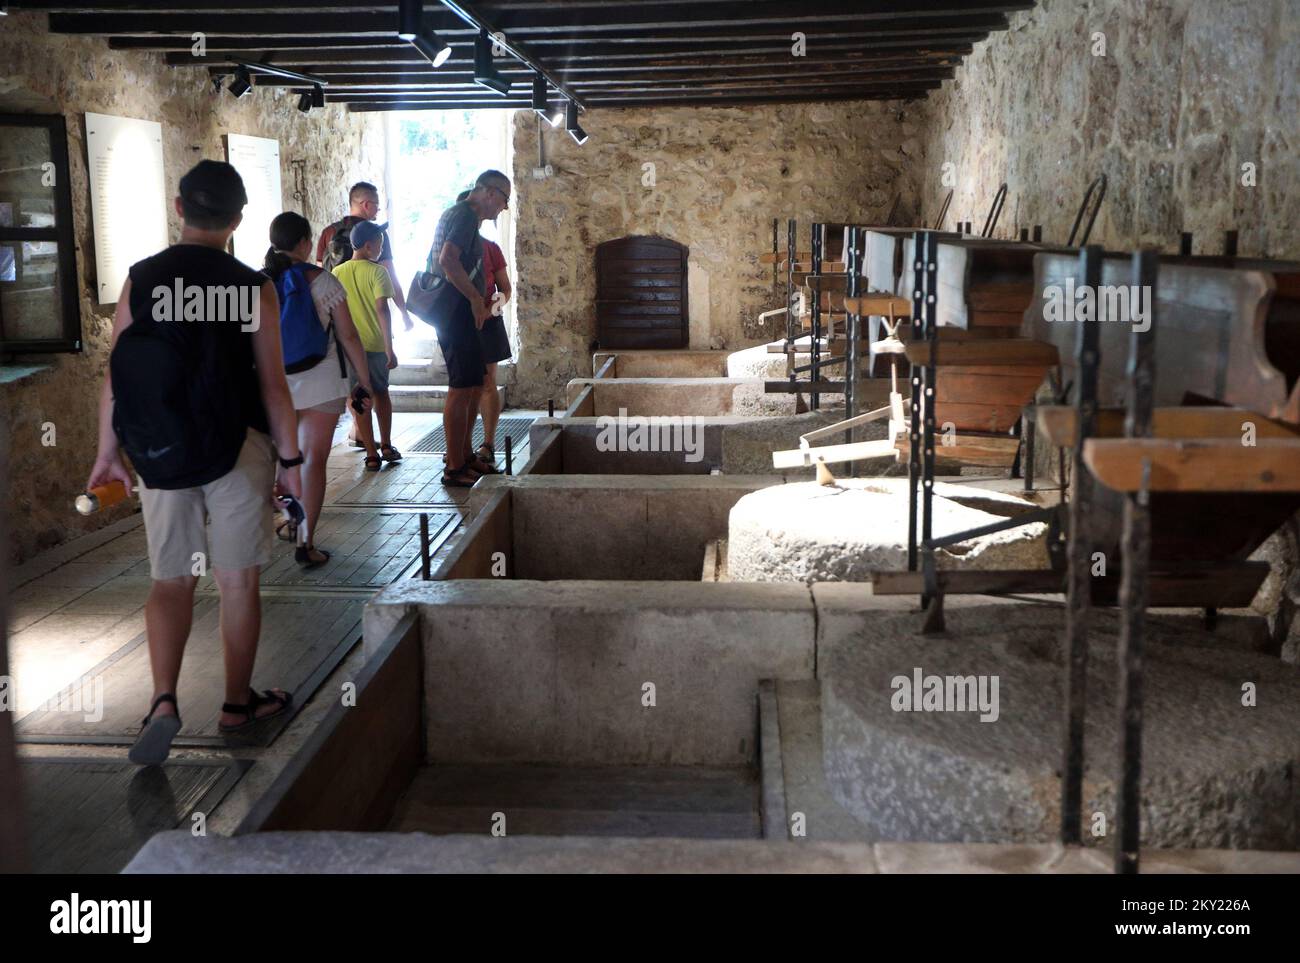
[426,397]
[418,371]
[626,801]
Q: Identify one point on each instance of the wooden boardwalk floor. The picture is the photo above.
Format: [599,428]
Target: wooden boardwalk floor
[79,663]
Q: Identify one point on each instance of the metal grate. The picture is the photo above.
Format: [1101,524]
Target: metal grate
[436,441]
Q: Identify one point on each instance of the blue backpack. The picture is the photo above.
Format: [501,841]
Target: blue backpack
[303,339]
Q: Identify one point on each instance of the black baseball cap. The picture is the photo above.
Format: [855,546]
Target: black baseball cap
[214,188]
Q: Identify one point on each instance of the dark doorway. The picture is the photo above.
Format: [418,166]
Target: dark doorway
[641,293]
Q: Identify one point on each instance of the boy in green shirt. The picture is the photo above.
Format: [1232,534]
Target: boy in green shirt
[369,288]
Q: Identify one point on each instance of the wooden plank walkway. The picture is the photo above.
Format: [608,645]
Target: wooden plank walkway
[79,657]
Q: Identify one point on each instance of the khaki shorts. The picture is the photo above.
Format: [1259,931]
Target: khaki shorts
[239,505]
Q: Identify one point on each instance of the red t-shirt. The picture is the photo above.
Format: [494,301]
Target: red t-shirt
[493,261]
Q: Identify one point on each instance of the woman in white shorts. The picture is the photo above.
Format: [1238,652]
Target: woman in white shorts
[321,392]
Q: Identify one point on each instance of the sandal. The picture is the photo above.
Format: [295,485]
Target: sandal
[303,556]
[390,453]
[154,743]
[460,478]
[487,453]
[482,467]
[374,463]
[284,532]
[249,709]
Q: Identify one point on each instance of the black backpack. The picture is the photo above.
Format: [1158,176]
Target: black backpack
[176,411]
[339,250]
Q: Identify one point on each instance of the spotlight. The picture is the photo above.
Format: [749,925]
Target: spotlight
[552,115]
[242,83]
[539,94]
[409,15]
[307,99]
[571,124]
[485,73]
[435,49]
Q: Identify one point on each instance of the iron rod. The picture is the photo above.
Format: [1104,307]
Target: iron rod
[818,239]
[853,325]
[1028,437]
[1136,552]
[1079,562]
[914,403]
[790,252]
[424,546]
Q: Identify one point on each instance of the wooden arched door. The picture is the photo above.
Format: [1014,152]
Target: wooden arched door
[641,293]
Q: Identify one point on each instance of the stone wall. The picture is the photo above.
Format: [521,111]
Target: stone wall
[720,175]
[1186,93]
[46,73]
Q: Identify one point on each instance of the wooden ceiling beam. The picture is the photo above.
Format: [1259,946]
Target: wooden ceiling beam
[619,74]
[372,106]
[561,21]
[691,93]
[601,87]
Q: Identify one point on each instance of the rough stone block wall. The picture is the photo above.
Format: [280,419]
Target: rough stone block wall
[1187,92]
[719,177]
[44,73]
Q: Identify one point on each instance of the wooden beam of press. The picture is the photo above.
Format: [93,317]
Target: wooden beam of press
[969,449]
[1270,465]
[990,351]
[1058,424]
[881,304]
[1223,586]
[832,454]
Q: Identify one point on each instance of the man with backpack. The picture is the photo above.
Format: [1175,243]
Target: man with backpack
[195,395]
[335,244]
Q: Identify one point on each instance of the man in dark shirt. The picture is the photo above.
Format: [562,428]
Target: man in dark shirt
[230,480]
[458,256]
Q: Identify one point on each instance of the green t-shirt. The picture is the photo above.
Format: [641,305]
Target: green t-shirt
[366,282]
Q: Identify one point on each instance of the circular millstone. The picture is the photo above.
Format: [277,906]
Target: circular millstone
[758,362]
[1215,772]
[842,533]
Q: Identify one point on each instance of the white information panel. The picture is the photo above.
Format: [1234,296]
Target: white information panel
[258,161]
[128,197]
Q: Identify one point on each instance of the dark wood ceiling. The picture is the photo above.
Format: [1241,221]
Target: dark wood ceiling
[607,53]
